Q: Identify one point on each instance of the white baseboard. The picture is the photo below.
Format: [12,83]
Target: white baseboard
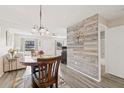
[83,74]
[1,74]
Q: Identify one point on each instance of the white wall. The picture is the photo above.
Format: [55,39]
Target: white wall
[102,29]
[7,25]
[3,47]
[45,43]
[115,51]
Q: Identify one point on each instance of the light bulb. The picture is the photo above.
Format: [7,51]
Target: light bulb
[47,32]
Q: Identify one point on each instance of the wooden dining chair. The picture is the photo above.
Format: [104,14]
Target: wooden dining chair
[36,53]
[47,74]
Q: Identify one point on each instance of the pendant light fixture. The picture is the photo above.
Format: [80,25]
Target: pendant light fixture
[42,30]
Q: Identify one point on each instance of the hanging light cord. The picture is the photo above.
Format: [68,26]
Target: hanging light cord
[40,15]
[41,29]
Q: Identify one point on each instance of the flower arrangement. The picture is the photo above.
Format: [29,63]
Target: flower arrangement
[40,52]
[12,51]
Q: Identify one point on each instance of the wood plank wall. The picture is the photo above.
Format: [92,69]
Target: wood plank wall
[82,47]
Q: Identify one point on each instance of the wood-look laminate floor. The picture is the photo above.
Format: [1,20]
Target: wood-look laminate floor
[72,79]
[22,79]
[77,80]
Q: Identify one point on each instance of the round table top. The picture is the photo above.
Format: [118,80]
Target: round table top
[31,61]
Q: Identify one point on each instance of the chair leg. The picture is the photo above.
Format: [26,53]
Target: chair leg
[34,85]
[56,84]
[51,86]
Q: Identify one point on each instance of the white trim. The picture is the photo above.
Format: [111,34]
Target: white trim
[99,51]
[1,74]
[83,74]
[106,29]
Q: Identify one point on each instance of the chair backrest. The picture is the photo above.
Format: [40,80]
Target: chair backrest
[48,69]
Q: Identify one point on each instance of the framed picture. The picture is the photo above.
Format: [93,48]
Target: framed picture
[58,45]
[29,45]
[8,38]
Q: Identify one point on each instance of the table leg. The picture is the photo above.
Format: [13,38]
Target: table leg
[32,80]
[34,85]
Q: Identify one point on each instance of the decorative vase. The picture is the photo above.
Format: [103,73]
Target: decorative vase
[12,54]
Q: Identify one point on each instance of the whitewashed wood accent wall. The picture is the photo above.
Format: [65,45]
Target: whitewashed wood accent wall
[82,47]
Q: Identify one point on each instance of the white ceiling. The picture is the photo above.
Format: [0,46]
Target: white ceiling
[57,17]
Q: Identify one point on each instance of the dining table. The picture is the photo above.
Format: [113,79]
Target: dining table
[32,61]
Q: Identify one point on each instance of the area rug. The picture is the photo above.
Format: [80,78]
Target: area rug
[25,82]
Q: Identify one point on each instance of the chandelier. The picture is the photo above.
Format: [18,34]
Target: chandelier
[42,30]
